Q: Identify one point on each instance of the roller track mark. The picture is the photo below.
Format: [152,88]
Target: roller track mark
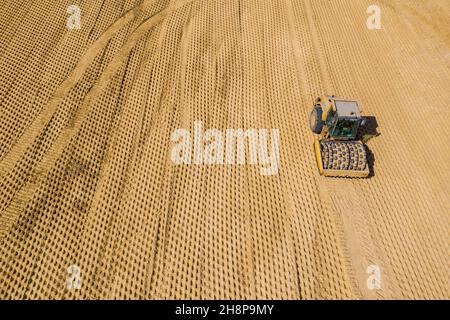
[317,48]
[10,214]
[358,231]
[125,51]
[7,218]
[399,183]
[299,62]
[249,262]
[109,268]
[96,19]
[323,184]
[106,272]
[137,158]
[106,170]
[63,90]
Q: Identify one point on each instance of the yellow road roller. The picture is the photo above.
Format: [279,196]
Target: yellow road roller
[336,123]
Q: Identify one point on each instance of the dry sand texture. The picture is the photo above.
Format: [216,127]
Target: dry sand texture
[86,178]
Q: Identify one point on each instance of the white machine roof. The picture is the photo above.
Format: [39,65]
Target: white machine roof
[347,108]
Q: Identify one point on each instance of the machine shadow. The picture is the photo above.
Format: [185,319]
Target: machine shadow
[367,132]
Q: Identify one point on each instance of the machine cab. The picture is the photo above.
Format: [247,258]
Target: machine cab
[343,120]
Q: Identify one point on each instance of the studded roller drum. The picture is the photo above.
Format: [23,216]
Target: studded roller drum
[342,155]
[341,158]
[328,159]
[362,156]
[354,156]
[326,155]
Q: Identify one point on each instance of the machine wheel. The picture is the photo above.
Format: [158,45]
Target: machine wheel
[315,120]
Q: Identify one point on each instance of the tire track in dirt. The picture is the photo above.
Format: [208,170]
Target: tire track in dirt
[120,147]
[412,187]
[63,90]
[402,184]
[99,279]
[41,122]
[112,273]
[10,214]
[111,259]
[7,218]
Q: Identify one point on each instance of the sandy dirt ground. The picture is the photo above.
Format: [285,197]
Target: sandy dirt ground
[86,178]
